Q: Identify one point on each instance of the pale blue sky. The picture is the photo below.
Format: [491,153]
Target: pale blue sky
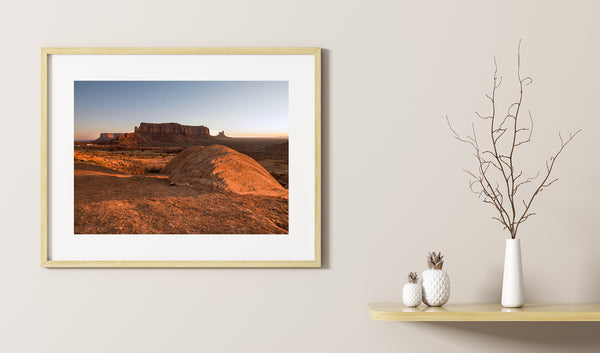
[240,108]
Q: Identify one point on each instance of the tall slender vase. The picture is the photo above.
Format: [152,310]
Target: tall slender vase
[513,291]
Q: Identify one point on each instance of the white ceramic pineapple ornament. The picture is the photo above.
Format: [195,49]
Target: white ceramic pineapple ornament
[411,294]
[435,281]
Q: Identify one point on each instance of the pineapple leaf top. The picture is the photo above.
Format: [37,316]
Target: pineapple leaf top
[435,261]
[413,277]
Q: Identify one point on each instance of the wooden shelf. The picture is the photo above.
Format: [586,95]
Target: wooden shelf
[486,312]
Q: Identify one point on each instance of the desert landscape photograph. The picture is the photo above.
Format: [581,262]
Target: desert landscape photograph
[181,157]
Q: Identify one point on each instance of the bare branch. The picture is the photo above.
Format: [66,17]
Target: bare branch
[549,183]
[530,129]
[544,184]
[527,217]
[499,82]
[482,117]
[518,176]
[457,136]
[526,181]
[505,160]
[502,131]
[472,184]
[501,221]
[508,113]
[498,159]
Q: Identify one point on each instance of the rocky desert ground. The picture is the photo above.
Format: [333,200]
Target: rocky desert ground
[173,179]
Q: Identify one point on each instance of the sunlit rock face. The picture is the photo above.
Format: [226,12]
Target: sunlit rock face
[172,132]
[158,134]
[220,168]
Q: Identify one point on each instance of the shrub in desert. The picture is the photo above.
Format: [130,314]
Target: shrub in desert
[153,168]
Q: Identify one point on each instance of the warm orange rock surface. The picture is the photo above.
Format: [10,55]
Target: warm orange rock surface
[125,191]
[218,167]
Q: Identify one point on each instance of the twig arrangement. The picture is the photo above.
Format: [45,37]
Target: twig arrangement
[498,164]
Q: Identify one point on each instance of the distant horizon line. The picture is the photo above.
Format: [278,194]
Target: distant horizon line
[271,136]
[230,134]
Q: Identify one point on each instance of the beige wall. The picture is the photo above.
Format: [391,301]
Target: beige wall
[392,183]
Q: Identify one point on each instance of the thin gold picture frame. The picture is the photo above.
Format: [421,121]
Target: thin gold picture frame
[47,51]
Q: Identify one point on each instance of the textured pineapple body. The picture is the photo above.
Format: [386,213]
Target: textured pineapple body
[411,294]
[436,287]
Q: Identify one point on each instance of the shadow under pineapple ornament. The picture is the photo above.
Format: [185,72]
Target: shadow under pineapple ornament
[435,281]
[411,293]
[498,181]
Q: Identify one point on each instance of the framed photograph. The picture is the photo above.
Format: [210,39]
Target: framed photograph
[181,157]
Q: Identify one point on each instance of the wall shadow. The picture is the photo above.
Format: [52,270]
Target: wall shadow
[325,157]
[556,336]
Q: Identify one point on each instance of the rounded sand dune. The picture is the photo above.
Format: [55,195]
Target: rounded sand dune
[218,167]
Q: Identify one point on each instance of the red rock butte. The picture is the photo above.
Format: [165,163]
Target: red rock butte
[148,134]
[220,168]
[106,136]
[172,132]
[151,129]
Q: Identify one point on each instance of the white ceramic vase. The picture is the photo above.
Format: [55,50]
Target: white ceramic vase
[513,291]
[436,287]
[411,294]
